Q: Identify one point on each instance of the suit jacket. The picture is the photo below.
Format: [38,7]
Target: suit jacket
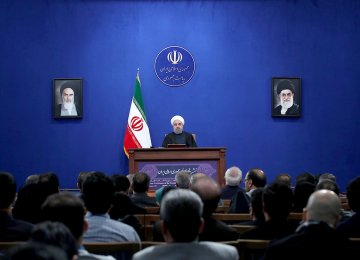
[315,240]
[170,139]
[350,227]
[229,191]
[14,230]
[188,251]
[293,110]
[143,200]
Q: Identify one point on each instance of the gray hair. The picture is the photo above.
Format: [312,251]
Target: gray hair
[182,179]
[233,176]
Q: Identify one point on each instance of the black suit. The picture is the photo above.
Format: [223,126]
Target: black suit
[12,229]
[293,110]
[314,241]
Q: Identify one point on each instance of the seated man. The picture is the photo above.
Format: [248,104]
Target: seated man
[181,215]
[233,177]
[179,136]
[141,182]
[316,238]
[11,228]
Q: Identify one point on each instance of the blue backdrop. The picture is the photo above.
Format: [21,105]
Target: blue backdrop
[238,46]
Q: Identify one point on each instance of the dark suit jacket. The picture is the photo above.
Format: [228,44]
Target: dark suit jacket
[293,110]
[351,227]
[229,191]
[170,139]
[143,200]
[313,241]
[14,230]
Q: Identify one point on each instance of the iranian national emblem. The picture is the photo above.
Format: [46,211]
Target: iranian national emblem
[174,66]
[137,123]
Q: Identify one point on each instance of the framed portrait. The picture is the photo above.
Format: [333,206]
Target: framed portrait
[286,97]
[67,98]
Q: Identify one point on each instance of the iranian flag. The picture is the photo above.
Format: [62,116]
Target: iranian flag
[137,131]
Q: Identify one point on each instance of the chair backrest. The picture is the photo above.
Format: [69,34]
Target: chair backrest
[119,250]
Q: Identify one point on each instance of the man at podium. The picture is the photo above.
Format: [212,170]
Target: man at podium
[178,136]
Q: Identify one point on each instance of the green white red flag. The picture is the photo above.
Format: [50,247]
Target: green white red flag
[137,133]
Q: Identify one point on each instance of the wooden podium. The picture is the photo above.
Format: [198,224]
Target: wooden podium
[162,164]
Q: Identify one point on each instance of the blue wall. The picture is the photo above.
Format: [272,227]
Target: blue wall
[238,47]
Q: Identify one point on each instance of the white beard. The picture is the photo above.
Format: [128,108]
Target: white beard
[287,104]
[68,105]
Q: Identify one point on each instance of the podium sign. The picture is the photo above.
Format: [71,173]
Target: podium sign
[162,164]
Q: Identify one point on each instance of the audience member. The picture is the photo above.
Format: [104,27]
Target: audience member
[182,180]
[181,215]
[316,238]
[11,229]
[302,192]
[277,204]
[33,178]
[68,209]
[214,230]
[130,176]
[98,191]
[31,196]
[351,227]
[141,182]
[256,209]
[327,176]
[122,205]
[35,251]
[254,178]
[233,177]
[306,176]
[55,234]
[328,184]
[195,177]
[283,178]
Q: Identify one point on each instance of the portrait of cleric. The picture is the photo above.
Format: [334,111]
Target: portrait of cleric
[286,97]
[68,98]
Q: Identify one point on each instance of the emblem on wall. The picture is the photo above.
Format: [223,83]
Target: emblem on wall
[174,66]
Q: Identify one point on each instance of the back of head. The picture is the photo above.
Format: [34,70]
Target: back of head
[50,181]
[323,205]
[233,176]
[196,176]
[65,208]
[353,194]
[278,200]
[257,176]
[283,178]
[81,178]
[305,176]
[182,179]
[302,192]
[121,183]
[181,211]
[7,189]
[327,176]
[35,251]
[328,184]
[98,191]
[55,234]
[209,192]
[141,182]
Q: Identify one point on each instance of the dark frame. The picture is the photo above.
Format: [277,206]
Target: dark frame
[295,110]
[77,85]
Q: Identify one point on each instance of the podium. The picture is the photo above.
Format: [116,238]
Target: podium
[162,164]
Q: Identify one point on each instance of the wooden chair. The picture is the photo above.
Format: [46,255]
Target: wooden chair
[232,218]
[242,228]
[6,245]
[152,210]
[120,250]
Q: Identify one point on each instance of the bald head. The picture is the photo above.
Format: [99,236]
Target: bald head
[206,188]
[323,205]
